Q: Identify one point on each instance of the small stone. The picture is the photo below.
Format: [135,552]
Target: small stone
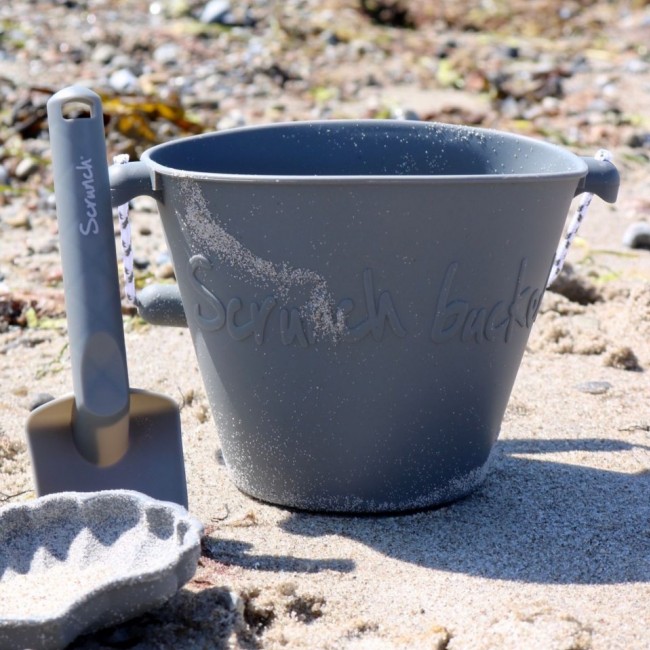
[103,53]
[163,258]
[39,399]
[124,80]
[19,220]
[165,271]
[594,387]
[47,247]
[50,201]
[512,52]
[637,235]
[140,263]
[217,11]
[400,113]
[25,168]
[638,140]
[232,120]
[54,277]
[170,8]
[166,54]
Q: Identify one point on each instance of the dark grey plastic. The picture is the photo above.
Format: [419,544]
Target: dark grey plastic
[161,304]
[104,436]
[360,295]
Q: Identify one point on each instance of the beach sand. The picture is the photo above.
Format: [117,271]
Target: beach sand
[552,552]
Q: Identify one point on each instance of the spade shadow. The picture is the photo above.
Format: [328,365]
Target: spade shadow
[533,520]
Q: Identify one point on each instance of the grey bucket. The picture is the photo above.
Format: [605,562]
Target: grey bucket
[360,295]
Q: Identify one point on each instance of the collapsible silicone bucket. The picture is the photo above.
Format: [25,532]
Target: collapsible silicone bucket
[360,295]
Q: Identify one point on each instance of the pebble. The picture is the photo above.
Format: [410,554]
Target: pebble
[103,53]
[217,11]
[140,263]
[19,220]
[594,387]
[4,175]
[399,113]
[163,258]
[232,120]
[166,54]
[25,168]
[637,235]
[165,271]
[123,80]
[638,140]
[48,247]
[39,399]
[170,8]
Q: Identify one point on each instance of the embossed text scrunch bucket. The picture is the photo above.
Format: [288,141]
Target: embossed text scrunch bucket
[359,295]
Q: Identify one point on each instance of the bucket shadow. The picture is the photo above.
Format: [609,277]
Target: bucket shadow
[231,552]
[533,520]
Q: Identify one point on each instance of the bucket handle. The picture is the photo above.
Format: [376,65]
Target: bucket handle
[161,304]
[158,304]
[601,179]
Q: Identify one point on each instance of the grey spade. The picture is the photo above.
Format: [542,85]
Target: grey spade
[106,435]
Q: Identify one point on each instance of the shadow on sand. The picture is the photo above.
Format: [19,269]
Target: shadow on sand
[533,520]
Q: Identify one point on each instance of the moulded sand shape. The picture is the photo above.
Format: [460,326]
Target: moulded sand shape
[77,561]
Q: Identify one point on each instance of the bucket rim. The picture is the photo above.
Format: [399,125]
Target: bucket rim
[576,166]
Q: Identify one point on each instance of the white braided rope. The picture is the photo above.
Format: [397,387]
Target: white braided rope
[574,225]
[125,235]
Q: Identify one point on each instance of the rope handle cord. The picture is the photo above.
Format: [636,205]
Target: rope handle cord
[579,216]
[125,236]
[558,262]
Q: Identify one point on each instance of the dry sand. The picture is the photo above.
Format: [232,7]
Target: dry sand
[552,552]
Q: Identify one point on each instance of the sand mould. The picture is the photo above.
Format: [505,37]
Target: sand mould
[76,561]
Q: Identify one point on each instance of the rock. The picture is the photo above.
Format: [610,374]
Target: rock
[400,113]
[594,387]
[217,11]
[166,54]
[25,168]
[19,220]
[39,399]
[637,235]
[232,120]
[140,263]
[220,12]
[124,81]
[170,8]
[103,53]
[165,271]
[638,140]
[163,258]
[48,247]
